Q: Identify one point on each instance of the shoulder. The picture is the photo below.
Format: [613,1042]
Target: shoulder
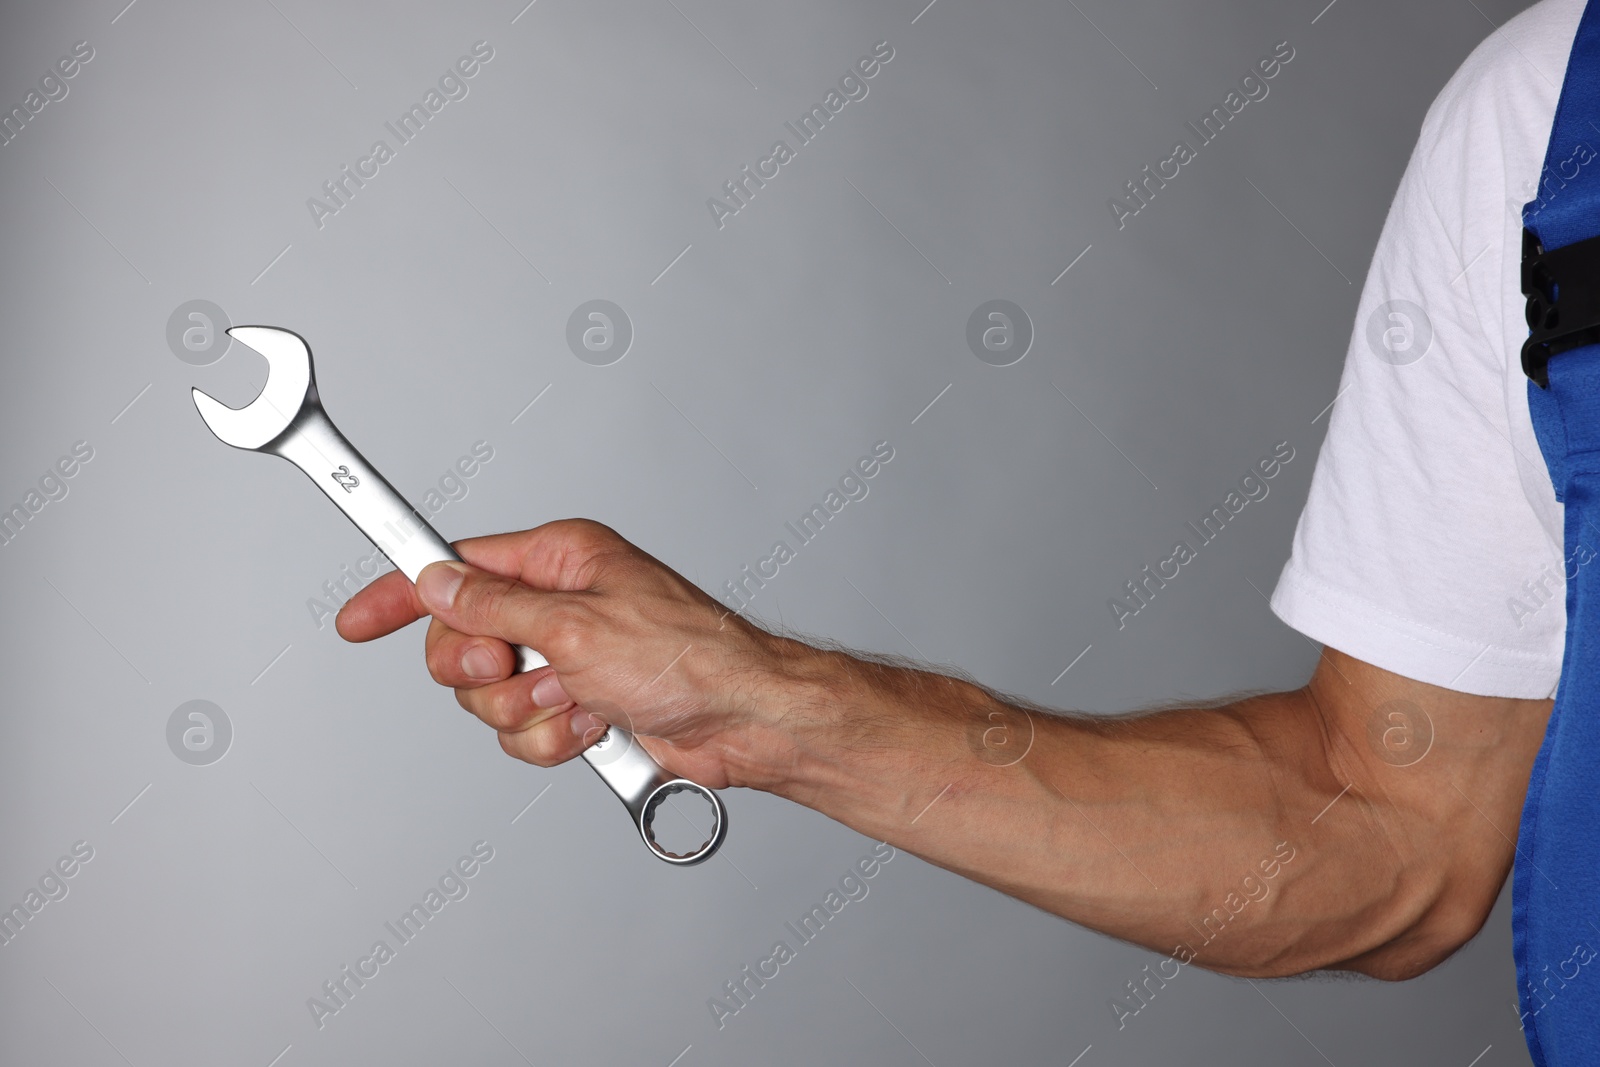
[1505,92]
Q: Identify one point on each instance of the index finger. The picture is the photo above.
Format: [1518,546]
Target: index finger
[563,556]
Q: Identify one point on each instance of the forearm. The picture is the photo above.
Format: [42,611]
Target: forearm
[1268,836]
[1228,831]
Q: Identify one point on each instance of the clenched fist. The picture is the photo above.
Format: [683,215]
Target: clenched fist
[629,642]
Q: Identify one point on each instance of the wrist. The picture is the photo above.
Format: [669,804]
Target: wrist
[793,715]
[831,731]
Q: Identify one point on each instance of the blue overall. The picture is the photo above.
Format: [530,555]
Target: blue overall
[1556,880]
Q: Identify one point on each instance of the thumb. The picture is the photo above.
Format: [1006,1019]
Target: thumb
[472,601]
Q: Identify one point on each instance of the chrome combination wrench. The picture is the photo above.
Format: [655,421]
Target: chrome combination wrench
[287,420]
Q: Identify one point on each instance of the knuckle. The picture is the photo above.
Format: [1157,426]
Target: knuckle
[506,710]
[551,741]
[587,533]
[586,548]
[511,745]
[484,601]
[440,663]
[566,627]
[539,747]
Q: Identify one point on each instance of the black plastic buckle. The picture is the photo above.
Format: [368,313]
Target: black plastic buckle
[1563,291]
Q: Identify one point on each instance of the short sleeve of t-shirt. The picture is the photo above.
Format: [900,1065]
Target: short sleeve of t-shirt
[1431,542]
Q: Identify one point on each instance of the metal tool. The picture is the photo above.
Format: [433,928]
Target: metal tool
[287,420]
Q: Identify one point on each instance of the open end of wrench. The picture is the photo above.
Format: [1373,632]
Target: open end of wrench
[719,826]
[289,380]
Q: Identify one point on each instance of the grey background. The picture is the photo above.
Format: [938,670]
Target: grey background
[177,569]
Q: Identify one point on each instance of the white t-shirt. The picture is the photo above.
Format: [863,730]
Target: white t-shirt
[1431,544]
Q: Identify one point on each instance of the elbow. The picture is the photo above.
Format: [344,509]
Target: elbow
[1410,955]
[1438,909]
[1422,929]
[1405,933]
[1454,920]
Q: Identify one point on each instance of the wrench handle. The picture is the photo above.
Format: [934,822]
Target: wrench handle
[316,446]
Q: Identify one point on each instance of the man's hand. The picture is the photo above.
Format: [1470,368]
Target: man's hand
[1157,828]
[629,641]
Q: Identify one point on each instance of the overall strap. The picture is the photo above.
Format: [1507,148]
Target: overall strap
[1556,877]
